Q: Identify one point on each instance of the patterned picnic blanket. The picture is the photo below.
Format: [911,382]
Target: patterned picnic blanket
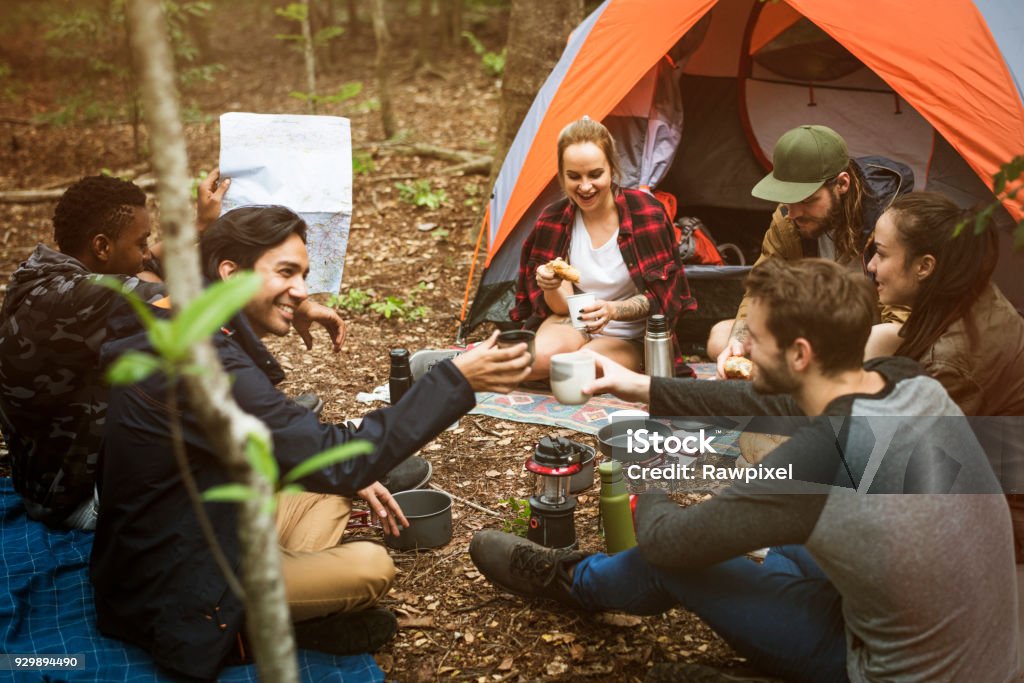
[540,407]
[46,607]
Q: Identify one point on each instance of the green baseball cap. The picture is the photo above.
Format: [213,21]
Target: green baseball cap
[804,158]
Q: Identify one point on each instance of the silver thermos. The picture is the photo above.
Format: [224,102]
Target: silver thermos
[658,361]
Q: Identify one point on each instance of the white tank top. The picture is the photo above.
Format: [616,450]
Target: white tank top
[604,274]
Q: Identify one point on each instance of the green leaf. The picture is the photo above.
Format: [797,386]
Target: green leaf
[295,11]
[478,47]
[331,456]
[1018,237]
[1015,167]
[270,506]
[326,34]
[159,331]
[349,90]
[161,336]
[293,488]
[228,493]
[982,220]
[261,457]
[146,316]
[999,182]
[214,307]
[132,367]
[362,162]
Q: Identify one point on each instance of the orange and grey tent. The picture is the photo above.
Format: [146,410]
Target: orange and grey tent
[697,91]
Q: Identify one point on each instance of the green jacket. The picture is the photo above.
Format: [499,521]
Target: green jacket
[985,377]
[783,241]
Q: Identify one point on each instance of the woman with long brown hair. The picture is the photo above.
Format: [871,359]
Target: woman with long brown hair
[961,328]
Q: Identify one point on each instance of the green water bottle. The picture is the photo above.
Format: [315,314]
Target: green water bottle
[616,514]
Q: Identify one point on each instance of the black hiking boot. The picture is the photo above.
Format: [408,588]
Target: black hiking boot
[524,567]
[412,473]
[347,633]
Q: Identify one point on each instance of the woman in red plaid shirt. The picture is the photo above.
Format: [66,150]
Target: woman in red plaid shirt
[621,243]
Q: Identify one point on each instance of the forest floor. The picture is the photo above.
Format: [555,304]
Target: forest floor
[455,625]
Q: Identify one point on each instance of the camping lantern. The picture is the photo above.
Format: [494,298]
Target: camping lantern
[554,461]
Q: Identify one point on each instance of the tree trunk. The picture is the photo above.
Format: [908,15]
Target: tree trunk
[133,90]
[423,35]
[455,26]
[334,47]
[352,25]
[383,68]
[308,49]
[228,428]
[447,10]
[537,33]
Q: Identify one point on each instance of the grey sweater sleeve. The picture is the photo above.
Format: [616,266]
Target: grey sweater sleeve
[746,516]
[727,526]
[681,397]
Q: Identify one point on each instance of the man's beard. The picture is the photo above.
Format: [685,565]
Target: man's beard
[773,379]
[816,227]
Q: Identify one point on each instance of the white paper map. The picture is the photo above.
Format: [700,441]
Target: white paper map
[303,163]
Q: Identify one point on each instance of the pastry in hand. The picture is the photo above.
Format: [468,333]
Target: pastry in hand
[564,270]
[738,367]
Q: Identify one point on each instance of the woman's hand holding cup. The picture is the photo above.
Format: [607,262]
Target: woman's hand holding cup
[597,315]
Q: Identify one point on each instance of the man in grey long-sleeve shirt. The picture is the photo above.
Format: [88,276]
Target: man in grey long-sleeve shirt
[903,584]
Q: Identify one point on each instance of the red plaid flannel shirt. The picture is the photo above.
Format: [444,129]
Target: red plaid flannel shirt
[647,243]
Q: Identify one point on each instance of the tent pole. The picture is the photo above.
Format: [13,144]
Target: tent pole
[469,280]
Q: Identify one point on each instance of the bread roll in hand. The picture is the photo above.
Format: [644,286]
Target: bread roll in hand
[564,270]
[738,367]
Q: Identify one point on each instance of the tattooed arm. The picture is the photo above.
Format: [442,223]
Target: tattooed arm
[739,331]
[634,308]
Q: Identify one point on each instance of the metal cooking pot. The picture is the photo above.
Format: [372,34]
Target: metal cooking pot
[430,520]
[584,479]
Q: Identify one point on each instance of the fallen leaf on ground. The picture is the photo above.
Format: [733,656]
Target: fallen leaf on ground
[627,620]
[557,667]
[416,622]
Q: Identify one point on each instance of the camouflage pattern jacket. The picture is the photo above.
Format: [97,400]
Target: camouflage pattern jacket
[53,399]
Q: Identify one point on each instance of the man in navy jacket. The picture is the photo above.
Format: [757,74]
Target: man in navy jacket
[155,580]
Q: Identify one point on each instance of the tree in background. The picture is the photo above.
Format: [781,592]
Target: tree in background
[229,429]
[537,33]
[383,68]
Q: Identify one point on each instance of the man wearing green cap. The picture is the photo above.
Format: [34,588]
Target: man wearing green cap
[828,205]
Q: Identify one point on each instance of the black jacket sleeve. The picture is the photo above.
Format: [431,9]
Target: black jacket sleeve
[438,399]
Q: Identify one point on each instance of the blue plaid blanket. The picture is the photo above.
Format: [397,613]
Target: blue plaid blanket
[46,607]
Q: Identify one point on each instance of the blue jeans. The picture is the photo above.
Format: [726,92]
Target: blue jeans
[784,616]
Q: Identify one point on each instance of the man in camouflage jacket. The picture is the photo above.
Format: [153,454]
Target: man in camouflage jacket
[53,321]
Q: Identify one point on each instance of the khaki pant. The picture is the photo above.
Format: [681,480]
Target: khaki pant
[320,576]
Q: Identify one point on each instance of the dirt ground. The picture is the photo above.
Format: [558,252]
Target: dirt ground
[456,626]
